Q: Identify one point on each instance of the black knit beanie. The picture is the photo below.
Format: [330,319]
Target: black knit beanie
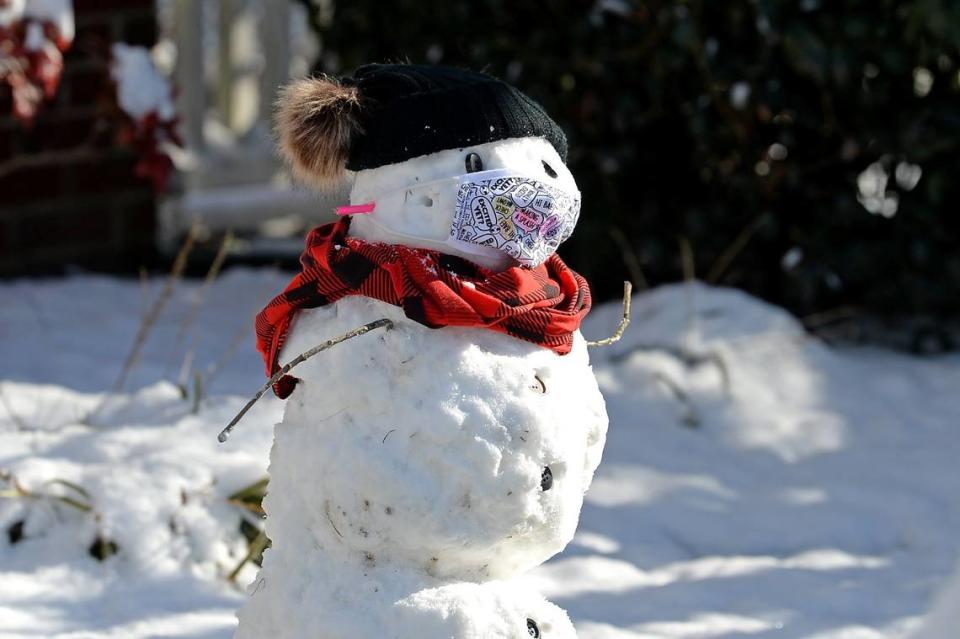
[411,110]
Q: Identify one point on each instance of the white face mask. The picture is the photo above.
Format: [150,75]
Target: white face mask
[497,210]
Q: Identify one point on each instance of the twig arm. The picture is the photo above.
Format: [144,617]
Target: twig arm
[296,361]
[624,322]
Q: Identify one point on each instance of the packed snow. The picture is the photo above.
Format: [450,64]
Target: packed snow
[465,422]
[429,473]
[944,620]
[755,482]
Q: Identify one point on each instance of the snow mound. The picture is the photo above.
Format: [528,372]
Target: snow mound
[755,483]
[400,605]
[944,619]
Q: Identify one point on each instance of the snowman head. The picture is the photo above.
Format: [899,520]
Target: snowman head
[440,158]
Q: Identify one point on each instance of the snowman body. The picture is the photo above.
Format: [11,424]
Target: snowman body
[407,481]
[417,472]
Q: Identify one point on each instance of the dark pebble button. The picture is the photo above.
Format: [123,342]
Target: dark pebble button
[546,479]
[532,628]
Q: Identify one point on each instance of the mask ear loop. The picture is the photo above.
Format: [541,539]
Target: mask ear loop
[367,208]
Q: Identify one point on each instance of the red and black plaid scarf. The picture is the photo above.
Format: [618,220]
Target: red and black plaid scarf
[543,305]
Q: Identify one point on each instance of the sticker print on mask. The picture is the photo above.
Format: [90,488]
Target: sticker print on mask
[521,216]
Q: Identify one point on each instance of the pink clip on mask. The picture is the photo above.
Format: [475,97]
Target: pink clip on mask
[356,209]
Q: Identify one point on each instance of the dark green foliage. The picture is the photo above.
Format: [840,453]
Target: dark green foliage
[672,109]
[253,536]
[250,498]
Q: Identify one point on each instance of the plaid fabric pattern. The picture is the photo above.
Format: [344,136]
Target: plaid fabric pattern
[543,305]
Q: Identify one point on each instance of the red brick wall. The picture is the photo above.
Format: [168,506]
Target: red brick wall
[68,193]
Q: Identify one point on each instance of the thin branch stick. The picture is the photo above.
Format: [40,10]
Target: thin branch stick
[624,322]
[17,420]
[153,314]
[149,319]
[236,339]
[144,291]
[19,492]
[816,320]
[686,259]
[326,510]
[198,299]
[629,255]
[184,373]
[213,369]
[691,417]
[296,361]
[720,266]
[687,358]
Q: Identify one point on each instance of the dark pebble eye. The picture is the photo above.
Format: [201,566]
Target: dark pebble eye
[546,479]
[532,628]
[549,169]
[473,163]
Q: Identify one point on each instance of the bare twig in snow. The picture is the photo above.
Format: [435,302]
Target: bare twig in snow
[690,417]
[686,259]
[197,392]
[81,499]
[236,339]
[18,421]
[144,292]
[150,318]
[185,367]
[299,359]
[198,299]
[624,321]
[689,359]
[326,510]
[839,314]
[153,313]
[215,368]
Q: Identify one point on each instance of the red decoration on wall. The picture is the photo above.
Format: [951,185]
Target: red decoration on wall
[146,137]
[31,62]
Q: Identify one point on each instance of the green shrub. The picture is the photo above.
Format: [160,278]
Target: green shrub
[741,126]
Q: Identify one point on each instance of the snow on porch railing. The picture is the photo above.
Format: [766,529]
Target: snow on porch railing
[231,58]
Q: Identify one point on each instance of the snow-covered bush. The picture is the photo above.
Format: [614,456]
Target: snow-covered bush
[146,98]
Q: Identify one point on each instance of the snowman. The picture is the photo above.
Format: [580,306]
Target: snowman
[419,471]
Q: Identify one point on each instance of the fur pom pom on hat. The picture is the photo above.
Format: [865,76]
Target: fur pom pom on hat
[390,113]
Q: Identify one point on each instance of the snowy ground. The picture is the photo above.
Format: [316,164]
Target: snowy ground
[755,483]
